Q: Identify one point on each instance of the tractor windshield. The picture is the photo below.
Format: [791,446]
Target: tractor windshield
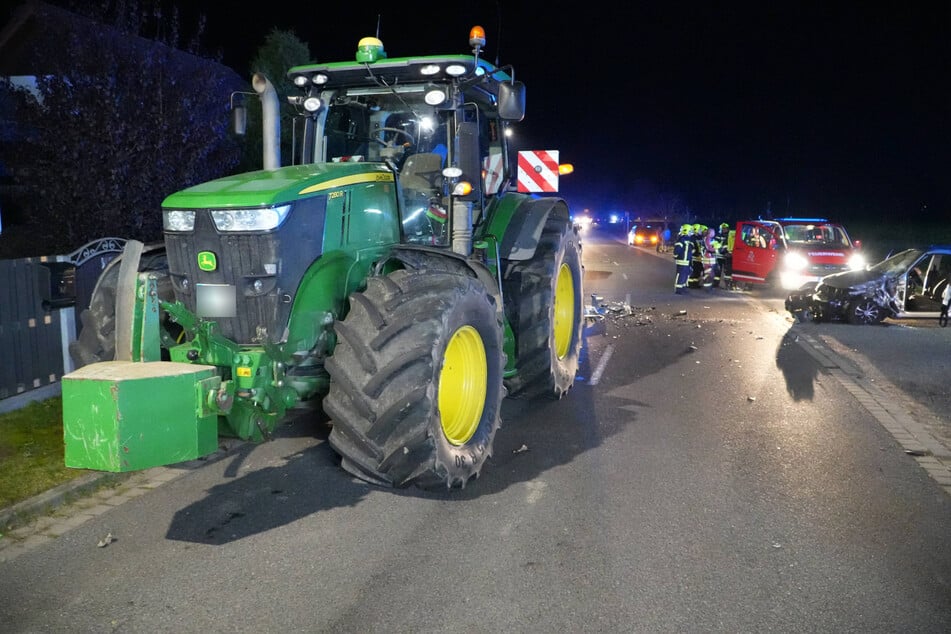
[401,128]
[383,125]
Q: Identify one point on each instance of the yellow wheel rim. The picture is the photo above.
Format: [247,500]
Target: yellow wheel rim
[564,310]
[462,385]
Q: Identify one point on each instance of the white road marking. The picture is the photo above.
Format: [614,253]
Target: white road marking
[598,371]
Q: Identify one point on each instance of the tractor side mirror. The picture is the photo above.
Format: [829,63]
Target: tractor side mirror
[239,119]
[512,100]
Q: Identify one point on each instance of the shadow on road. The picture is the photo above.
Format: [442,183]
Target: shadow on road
[252,501]
[536,435]
[798,368]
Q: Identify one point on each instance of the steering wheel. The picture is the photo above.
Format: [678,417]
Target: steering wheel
[379,132]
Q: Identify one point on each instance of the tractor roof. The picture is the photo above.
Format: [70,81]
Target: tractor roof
[403,70]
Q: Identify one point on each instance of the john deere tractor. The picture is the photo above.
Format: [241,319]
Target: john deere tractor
[394,272]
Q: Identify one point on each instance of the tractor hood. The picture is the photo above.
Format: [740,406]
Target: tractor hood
[280,216]
[266,187]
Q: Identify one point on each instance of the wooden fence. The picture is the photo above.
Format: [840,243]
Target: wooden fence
[39,302]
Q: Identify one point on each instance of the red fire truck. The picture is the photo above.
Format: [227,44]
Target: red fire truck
[790,252]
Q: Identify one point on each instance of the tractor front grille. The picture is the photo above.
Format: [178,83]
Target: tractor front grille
[265,268]
[242,259]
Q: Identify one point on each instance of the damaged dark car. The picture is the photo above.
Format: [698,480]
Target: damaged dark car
[908,284]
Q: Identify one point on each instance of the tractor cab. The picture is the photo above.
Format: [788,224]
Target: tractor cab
[438,122]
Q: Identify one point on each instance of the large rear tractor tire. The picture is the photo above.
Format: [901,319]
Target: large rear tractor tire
[545,305]
[416,380]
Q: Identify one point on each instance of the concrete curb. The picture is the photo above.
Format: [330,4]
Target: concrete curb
[13,516]
[911,435]
[22,513]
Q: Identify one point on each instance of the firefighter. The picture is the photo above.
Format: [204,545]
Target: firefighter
[718,266]
[683,257]
[695,278]
[708,256]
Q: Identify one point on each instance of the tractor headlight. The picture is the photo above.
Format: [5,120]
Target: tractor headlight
[265,219]
[178,220]
[857,262]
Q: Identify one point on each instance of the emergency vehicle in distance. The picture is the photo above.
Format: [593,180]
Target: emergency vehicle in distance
[792,252]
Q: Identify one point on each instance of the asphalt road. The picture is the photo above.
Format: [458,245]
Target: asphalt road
[717,468]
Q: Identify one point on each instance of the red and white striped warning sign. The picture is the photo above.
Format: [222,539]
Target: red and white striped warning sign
[538,171]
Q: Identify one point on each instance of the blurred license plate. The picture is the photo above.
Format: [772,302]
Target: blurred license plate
[216,300]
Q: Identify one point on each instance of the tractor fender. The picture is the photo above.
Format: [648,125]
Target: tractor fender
[524,228]
[423,257]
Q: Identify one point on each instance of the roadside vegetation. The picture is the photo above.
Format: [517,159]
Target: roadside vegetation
[879,238]
[31,451]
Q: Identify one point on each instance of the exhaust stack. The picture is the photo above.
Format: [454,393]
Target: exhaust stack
[271,121]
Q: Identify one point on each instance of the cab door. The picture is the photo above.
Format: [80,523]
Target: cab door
[755,253]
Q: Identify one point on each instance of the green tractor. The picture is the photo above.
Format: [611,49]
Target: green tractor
[393,272]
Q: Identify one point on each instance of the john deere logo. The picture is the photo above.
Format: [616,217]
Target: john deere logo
[207,261]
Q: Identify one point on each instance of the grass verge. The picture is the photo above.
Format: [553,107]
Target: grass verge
[32,451]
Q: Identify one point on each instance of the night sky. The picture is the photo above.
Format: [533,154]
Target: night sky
[827,108]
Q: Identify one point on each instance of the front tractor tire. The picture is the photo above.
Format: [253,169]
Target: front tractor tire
[545,305]
[97,339]
[416,380]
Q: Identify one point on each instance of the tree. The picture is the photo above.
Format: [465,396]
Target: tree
[117,123]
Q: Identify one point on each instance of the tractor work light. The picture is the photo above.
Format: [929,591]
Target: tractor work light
[235,220]
[435,96]
[312,104]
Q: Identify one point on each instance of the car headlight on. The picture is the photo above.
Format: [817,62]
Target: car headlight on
[857,262]
[229,220]
[795,261]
